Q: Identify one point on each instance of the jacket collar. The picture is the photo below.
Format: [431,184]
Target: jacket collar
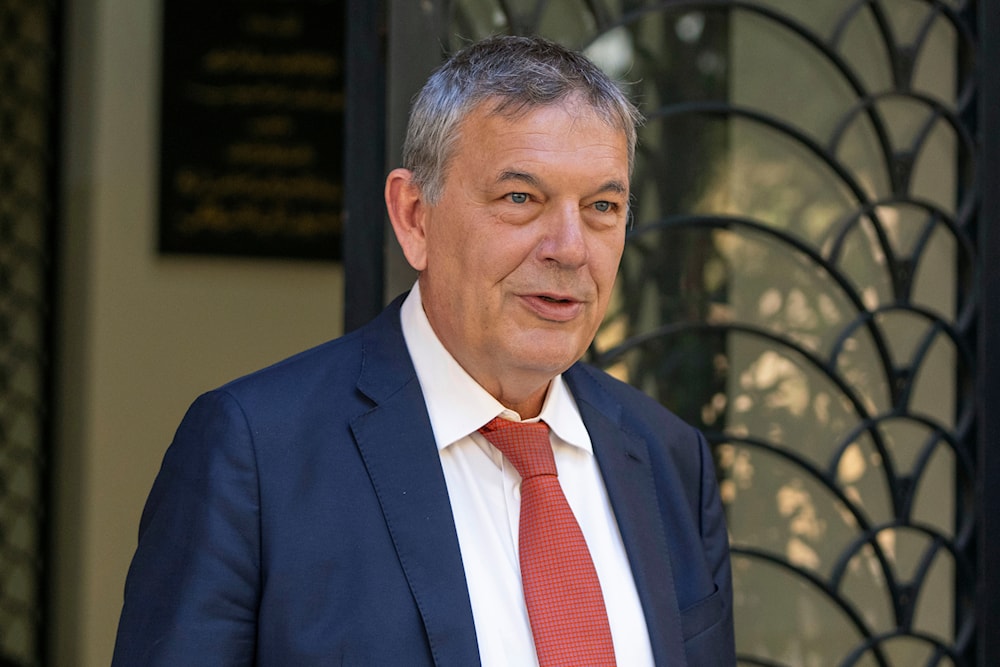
[397,445]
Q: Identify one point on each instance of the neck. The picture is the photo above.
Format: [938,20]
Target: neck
[526,404]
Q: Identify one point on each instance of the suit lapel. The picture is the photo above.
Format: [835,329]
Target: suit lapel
[629,478]
[398,448]
[397,444]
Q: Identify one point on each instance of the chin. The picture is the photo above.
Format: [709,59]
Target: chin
[551,361]
[551,351]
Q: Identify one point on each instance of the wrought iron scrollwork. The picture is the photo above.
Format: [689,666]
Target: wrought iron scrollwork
[800,283]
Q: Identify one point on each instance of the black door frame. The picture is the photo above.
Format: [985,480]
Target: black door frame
[988,335]
[364,161]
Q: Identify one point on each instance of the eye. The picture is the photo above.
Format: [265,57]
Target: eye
[604,206]
[518,197]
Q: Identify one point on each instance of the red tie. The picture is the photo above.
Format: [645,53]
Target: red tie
[561,589]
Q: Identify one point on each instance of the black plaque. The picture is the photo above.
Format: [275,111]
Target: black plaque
[252,128]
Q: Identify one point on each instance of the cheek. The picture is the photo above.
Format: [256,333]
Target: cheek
[450,251]
[605,260]
[492,258]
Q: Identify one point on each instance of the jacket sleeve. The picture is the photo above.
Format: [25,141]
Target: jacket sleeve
[192,591]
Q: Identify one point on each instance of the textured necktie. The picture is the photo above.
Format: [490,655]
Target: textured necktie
[561,590]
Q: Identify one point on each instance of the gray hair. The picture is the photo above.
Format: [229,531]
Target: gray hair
[519,74]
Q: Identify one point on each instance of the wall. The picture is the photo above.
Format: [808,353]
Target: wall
[140,335]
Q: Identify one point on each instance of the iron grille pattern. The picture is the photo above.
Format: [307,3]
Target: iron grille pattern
[800,283]
[26,165]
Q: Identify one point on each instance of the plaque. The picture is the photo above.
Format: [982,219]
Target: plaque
[251,128]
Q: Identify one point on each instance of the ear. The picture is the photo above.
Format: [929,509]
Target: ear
[408,213]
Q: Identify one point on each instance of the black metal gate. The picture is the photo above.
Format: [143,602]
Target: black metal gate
[808,281]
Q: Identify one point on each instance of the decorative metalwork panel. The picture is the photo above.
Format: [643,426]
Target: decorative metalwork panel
[27,62]
[799,282]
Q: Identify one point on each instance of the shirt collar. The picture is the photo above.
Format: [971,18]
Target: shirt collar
[458,405]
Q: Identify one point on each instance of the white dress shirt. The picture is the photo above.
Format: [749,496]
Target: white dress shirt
[484,489]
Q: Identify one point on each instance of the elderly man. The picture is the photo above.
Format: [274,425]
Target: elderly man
[448,485]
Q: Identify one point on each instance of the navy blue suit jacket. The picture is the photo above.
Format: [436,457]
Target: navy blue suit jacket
[301,518]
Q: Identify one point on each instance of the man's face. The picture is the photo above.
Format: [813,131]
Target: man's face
[523,246]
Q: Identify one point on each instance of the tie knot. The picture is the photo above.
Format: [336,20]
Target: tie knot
[526,445]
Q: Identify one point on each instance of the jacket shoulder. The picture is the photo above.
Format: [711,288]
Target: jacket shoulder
[376,350]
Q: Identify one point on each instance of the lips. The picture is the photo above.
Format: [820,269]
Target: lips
[553,307]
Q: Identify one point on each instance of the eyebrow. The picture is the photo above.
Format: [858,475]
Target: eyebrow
[518,176]
[614,186]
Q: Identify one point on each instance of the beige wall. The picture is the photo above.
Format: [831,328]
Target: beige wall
[141,334]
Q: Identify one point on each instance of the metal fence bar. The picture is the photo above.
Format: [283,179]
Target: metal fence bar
[988,489]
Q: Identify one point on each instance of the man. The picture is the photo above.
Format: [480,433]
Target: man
[357,505]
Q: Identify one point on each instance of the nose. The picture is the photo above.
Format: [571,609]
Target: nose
[565,242]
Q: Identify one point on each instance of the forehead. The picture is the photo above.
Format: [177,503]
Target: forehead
[493,127]
[516,112]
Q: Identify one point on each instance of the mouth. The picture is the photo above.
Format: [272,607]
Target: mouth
[554,307]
